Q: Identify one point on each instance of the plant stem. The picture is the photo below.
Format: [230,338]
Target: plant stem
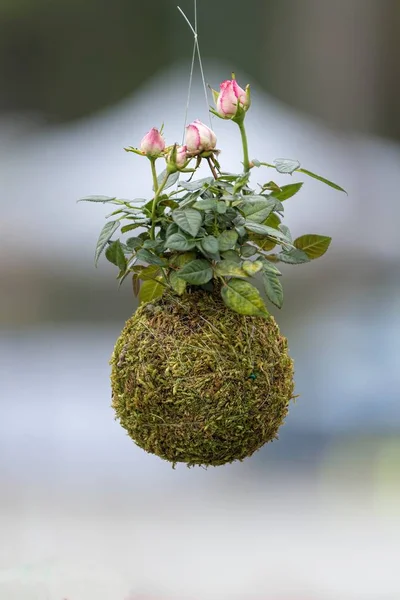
[157,191]
[246,161]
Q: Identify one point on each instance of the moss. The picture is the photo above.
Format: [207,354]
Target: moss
[194,382]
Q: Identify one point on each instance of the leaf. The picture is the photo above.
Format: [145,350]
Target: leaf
[268,266]
[261,229]
[252,267]
[102,199]
[172,179]
[231,255]
[221,208]
[177,284]
[258,210]
[135,285]
[189,220]
[196,272]
[150,290]
[227,268]
[273,221]
[171,229]
[286,231]
[248,250]
[150,272]
[150,258]
[262,243]
[326,181]
[116,256]
[206,204]
[293,257]
[105,235]
[181,259]
[178,241]
[313,245]
[210,244]
[286,165]
[287,191]
[126,228]
[243,298]
[134,243]
[227,240]
[193,186]
[273,287]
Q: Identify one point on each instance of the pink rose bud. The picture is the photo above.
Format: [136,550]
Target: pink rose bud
[230,95]
[153,143]
[199,138]
[181,157]
[177,158]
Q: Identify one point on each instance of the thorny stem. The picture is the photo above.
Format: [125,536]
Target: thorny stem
[246,161]
[158,191]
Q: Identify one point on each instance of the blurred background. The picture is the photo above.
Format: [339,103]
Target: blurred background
[84,514]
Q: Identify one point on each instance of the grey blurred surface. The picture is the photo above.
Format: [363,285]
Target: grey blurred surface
[84,514]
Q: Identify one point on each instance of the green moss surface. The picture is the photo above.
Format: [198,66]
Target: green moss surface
[194,382]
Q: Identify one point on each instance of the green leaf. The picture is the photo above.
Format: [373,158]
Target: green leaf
[287,191]
[126,228]
[248,250]
[326,181]
[268,266]
[172,179]
[243,298]
[231,255]
[196,272]
[181,259]
[286,165]
[102,199]
[105,235]
[206,204]
[293,257]
[227,268]
[178,241]
[313,245]
[252,267]
[177,284]
[261,229]
[135,285]
[116,256]
[171,229]
[150,258]
[286,231]
[210,244]
[193,186]
[273,287]
[227,240]
[273,221]
[189,220]
[221,208]
[150,272]
[157,245]
[150,290]
[258,210]
[134,243]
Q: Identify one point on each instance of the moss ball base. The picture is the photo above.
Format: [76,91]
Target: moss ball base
[194,382]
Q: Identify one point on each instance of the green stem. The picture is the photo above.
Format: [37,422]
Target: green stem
[158,191]
[246,161]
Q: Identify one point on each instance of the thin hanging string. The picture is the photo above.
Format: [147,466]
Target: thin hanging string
[196,47]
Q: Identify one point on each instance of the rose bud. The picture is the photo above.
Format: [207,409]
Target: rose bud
[230,96]
[177,159]
[199,138]
[153,143]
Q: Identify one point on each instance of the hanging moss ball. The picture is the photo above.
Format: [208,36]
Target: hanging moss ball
[194,382]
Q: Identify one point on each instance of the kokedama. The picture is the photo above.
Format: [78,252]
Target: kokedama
[201,373]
